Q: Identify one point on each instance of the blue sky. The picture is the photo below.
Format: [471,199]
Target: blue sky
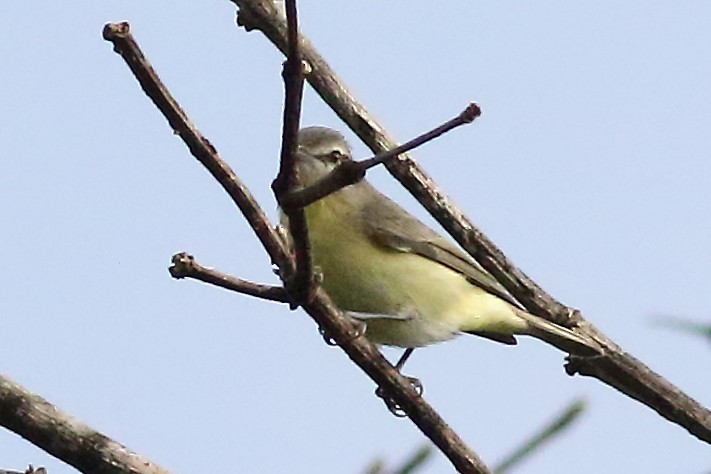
[589,167]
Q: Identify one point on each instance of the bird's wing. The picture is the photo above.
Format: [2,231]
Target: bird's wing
[397,230]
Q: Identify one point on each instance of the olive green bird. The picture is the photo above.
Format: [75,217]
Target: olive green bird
[406,283]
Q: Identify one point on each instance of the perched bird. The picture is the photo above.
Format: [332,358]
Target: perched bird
[409,285]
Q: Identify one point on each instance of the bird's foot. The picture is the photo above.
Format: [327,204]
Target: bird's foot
[327,338]
[358,330]
[317,275]
[394,407]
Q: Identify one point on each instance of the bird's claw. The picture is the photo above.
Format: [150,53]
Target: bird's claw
[327,338]
[358,330]
[394,407]
[317,275]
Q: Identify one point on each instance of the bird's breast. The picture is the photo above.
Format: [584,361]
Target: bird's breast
[364,277]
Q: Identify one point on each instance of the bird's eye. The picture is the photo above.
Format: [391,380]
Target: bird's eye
[336,156]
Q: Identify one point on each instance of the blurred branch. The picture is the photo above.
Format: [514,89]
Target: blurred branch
[410,466]
[684,325]
[416,461]
[64,437]
[338,326]
[555,427]
[375,467]
[616,368]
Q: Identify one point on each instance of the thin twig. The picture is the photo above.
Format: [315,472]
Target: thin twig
[185,266]
[555,427]
[617,368]
[338,326]
[64,437]
[350,172]
[300,285]
[347,173]
[293,76]
[468,115]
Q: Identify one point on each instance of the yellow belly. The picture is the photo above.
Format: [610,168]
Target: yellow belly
[427,302]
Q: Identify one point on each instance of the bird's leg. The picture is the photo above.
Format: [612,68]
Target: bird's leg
[416,384]
[392,405]
[403,358]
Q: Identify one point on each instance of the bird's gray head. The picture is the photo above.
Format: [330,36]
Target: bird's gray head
[320,150]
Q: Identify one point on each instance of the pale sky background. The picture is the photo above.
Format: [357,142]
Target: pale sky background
[589,167]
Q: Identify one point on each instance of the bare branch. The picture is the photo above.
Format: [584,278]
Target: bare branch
[185,266]
[64,437]
[369,359]
[200,147]
[293,92]
[300,285]
[468,115]
[340,327]
[347,173]
[617,368]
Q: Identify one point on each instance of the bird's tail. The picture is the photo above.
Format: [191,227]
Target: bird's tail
[559,336]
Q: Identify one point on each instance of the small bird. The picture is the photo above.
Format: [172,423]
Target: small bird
[410,286]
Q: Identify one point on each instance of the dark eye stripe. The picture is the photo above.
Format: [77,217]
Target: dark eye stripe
[334,157]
